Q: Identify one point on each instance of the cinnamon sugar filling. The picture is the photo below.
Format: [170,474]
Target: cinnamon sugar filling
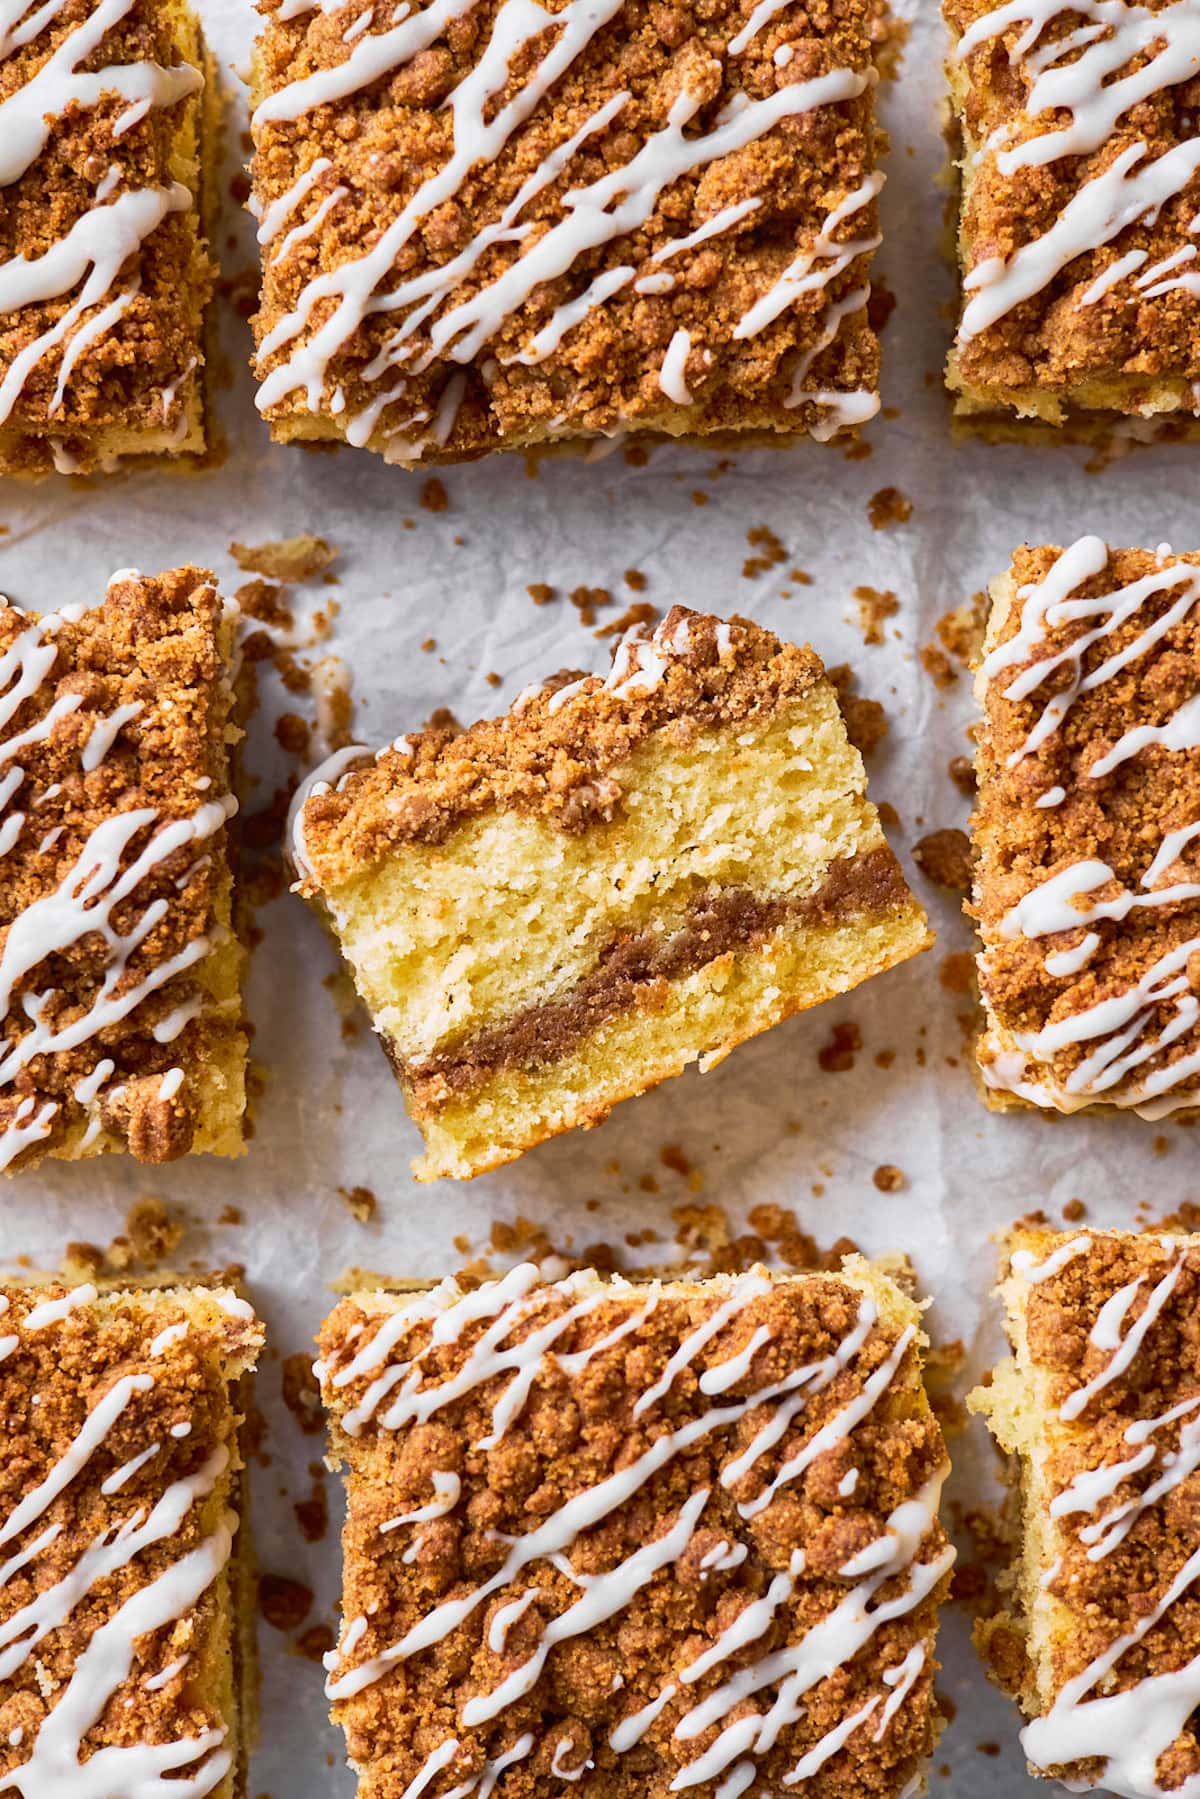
[632,968]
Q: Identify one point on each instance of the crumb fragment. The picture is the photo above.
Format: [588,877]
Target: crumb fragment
[957,973]
[866,721]
[315,1643]
[264,601]
[289,559]
[587,600]
[293,734]
[301,1395]
[771,551]
[888,507]
[640,613]
[961,770]
[838,1055]
[938,666]
[360,1203]
[944,857]
[874,606]
[961,631]
[283,1602]
[312,1514]
[153,1232]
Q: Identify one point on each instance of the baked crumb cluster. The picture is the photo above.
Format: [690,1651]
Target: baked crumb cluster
[120,1660]
[662,1538]
[490,226]
[1080,169]
[103,268]
[118,969]
[1088,831]
[552,754]
[1102,1406]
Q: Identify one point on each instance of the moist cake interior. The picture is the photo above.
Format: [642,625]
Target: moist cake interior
[525,977]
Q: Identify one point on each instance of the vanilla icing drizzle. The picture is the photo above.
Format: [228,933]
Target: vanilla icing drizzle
[435,323]
[54,1765]
[99,244]
[512,1335]
[1125,1031]
[100,885]
[1082,82]
[1128,1728]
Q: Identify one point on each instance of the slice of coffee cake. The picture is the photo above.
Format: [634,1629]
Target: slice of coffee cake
[1099,1623]
[126,1608]
[120,975]
[672,1537]
[559,908]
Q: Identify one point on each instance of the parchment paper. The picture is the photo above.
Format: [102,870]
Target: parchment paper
[767,1126]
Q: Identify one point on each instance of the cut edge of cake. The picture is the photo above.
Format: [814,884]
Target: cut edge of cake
[628,979]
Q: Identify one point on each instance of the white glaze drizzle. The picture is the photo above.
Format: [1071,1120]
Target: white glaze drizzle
[106,874]
[97,245]
[1088,75]
[513,1306]
[93,252]
[671,376]
[616,204]
[1127,1730]
[1126,1027]
[53,1768]
[1033,1272]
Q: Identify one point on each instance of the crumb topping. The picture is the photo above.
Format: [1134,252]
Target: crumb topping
[1110,1325]
[103,271]
[488,228]
[1088,830]
[657,1537]
[114,798]
[1081,178]
[120,1450]
[554,751]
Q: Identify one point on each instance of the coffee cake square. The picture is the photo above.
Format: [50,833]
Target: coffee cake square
[1099,1408]
[126,1607]
[496,226]
[561,907]
[104,269]
[1079,161]
[119,970]
[1087,831]
[655,1538]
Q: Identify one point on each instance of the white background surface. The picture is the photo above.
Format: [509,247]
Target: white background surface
[766,1126]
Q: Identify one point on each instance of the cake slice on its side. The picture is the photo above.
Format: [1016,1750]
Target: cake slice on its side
[559,908]
[120,975]
[126,1609]
[672,1536]
[1099,1407]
